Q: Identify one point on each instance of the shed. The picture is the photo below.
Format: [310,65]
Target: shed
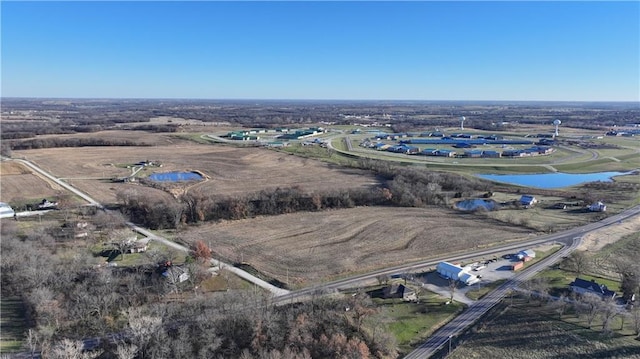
[526,253]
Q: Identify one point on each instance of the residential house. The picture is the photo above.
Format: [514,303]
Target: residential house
[400,291]
[527,200]
[582,286]
[598,207]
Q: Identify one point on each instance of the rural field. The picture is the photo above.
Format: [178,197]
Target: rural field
[527,330]
[231,170]
[310,247]
[20,184]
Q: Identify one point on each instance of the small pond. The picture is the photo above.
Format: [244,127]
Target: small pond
[175,177]
[477,203]
[553,180]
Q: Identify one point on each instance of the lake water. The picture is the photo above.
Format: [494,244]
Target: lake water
[175,177]
[553,180]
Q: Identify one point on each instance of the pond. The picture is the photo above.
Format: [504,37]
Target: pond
[175,177]
[553,180]
[477,203]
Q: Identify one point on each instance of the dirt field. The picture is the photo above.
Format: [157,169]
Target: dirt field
[17,182]
[232,170]
[594,241]
[323,245]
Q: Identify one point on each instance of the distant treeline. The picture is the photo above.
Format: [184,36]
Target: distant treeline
[70,142]
[402,187]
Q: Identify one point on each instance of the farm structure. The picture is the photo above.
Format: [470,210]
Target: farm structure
[526,253]
[455,272]
[517,265]
[582,286]
[6,211]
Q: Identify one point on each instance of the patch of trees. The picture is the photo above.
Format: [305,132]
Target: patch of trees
[70,142]
[68,299]
[405,187]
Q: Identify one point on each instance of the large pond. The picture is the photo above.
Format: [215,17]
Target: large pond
[553,180]
[175,177]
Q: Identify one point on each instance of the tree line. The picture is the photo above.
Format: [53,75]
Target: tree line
[400,186]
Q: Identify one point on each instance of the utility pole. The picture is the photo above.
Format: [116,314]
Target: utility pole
[450,336]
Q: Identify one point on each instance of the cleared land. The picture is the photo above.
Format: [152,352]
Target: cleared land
[305,247]
[232,170]
[19,183]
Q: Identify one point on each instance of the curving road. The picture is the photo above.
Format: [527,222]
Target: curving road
[458,325]
[239,272]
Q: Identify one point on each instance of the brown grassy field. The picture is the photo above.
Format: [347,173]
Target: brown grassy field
[311,246]
[232,170]
[18,182]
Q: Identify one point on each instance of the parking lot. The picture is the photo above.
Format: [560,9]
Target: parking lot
[486,269]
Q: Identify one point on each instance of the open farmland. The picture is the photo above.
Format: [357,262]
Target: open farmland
[19,183]
[306,247]
[231,170]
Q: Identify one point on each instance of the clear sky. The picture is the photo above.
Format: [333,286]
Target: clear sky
[574,51]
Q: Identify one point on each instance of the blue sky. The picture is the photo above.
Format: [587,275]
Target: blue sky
[573,51]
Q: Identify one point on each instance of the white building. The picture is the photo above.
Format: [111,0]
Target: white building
[526,253]
[598,207]
[6,211]
[455,272]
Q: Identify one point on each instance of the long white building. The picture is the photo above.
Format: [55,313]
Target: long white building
[455,272]
[6,211]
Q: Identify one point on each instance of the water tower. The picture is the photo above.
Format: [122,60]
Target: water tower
[462,122]
[557,123]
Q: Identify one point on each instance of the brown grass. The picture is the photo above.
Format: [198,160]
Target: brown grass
[17,182]
[321,245]
[232,170]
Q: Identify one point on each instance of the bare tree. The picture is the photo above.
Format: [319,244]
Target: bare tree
[608,310]
[126,351]
[578,262]
[142,328]
[453,284]
[635,318]
[72,349]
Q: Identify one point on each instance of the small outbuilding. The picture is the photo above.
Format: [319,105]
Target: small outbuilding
[526,253]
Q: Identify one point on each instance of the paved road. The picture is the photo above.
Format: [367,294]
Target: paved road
[458,325]
[239,272]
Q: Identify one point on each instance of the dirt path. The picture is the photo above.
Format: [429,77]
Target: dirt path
[594,241]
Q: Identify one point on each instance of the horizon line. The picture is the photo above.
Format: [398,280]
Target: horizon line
[305,99]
